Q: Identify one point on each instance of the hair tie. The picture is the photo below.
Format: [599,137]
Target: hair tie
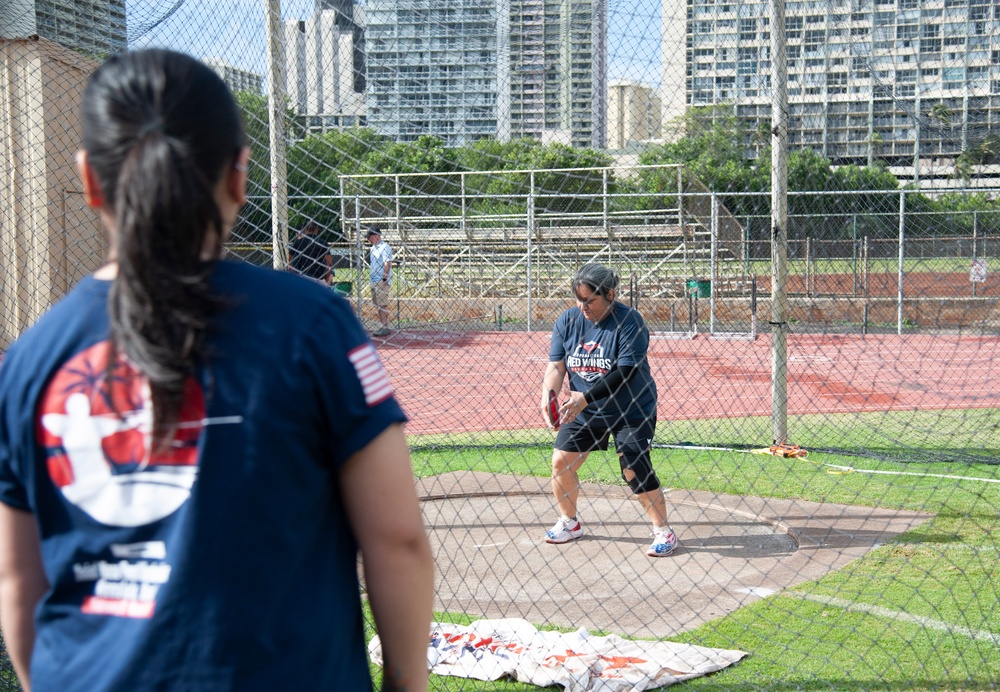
[149,128]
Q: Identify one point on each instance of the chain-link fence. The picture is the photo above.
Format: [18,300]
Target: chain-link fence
[469,261]
[498,147]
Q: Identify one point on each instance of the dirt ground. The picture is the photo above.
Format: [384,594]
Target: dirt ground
[915,285]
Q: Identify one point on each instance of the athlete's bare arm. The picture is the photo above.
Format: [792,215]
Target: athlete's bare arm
[22,585]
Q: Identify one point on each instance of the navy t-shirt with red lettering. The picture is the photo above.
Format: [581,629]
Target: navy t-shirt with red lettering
[590,351]
[226,561]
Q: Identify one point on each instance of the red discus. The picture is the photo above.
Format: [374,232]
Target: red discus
[554,409]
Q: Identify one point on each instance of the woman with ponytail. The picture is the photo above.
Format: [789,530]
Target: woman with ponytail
[187,472]
[601,347]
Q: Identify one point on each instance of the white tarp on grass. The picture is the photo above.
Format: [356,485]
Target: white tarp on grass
[578,661]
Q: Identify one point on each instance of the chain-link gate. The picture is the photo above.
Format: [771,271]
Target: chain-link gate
[500,147]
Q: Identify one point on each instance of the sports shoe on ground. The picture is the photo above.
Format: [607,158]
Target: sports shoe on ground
[564,531]
[384,331]
[664,543]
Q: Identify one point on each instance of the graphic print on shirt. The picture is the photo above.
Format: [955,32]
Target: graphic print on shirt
[97,432]
[588,361]
[371,373]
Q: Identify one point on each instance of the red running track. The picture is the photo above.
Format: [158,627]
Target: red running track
[471,382]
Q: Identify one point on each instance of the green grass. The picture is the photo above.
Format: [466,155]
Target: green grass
[945,571]
[847,265]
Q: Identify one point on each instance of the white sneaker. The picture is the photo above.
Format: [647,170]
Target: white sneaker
[564,531]
[664,543]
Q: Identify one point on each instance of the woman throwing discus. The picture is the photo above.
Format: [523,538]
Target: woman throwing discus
[601,344]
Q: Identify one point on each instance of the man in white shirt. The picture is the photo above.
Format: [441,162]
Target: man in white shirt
[380,263]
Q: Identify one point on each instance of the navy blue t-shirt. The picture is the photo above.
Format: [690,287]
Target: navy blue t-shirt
[309,256]
[591,351]
[225,562]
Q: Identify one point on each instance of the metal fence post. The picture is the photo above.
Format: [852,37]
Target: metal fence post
[399,209]
[810,268]
[854,253]
[975,244]
[680,213]
[465,217]
[531,231]
[357,248]
[604,204]
[899,290]
[712,263]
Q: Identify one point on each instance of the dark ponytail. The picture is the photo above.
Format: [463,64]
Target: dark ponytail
[160,131]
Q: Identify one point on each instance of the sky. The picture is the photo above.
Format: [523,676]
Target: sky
[234,31]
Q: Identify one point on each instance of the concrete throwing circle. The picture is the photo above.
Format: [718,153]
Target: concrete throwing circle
[487,533]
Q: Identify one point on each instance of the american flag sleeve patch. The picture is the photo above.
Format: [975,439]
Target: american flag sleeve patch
[371,373]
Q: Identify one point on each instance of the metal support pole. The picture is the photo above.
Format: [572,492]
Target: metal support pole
[531,232]
[899,287]
[779,225]
[604,205]
[276,132]
[465,210]
[975,244]
[864,278]
[357,249]
[809,274]
[713,263]
[681,221]
[399,210]
[343,217]
[854,254]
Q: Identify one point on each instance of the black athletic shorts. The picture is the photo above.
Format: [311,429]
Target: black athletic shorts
[593,435]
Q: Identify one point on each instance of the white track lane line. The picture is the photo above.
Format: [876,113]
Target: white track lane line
[930,623]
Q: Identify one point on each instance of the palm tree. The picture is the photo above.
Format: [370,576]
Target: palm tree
[940,112]
[873,145]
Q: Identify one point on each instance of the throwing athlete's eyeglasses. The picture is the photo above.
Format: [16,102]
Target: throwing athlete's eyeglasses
[584,302]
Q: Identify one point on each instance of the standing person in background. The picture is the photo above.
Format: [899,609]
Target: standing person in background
[381,278]
[177,513]
[602,345]
[309,256]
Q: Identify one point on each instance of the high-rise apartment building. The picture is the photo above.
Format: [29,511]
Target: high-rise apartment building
[432,69]
[633,114]
[898,80]
[558,71]
[350,18]
[236,78]
[321,79]
[93,27]
[488,68]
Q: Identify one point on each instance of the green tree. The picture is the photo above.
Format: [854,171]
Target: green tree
[416,166]
[941,113]
[985,152]
[717,151]
[560,183]
[315,165]
[254,223]
[961,213]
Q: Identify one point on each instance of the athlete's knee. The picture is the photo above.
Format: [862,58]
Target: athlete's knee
[638,473]
[642,482]
[565,461]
